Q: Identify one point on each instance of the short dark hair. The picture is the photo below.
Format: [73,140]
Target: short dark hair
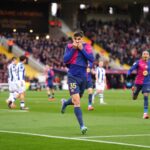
[78,33]
[13,58]
[22,58]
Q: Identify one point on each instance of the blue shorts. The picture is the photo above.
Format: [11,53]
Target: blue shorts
[50,85]
[146,88]
[76,85]
[89,84]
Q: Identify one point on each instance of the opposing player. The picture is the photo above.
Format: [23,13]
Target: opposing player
[21,81]
[142,81]
[49,82]
[13,83]
[100,82]
[89,86]
[76,57]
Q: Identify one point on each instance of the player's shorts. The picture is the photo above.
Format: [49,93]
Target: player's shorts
[13,87]
[146,88]
[76,85]
[50,85]
[100,86]
[89,84]
[22,86]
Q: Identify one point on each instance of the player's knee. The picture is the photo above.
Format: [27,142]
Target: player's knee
[76,102]
[90,91]
[16,94]
[145,94]
[99,92]
[22,96]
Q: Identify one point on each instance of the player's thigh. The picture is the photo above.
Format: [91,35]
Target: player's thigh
[22,87]
[13,87]
[73,85]
[146,88]
[100,87]
[82,86]
[90,90]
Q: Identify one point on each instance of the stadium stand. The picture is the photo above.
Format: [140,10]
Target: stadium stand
[47,51]
[3,67]
[30,72]
[122,39]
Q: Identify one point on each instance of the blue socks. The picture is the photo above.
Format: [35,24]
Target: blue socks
[90,99]
[68,102]
[145,104]
[77,111]
[78,114]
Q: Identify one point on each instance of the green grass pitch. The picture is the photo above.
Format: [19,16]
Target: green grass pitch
[115,126]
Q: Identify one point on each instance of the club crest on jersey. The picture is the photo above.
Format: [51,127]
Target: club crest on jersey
[145,73]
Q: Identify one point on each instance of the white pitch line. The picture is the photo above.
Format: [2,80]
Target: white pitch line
[115,136]
[76,139]
[12,110]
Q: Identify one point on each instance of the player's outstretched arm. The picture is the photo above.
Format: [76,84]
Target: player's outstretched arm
[134,67]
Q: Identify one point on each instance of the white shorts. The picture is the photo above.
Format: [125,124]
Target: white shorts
[13,87]
[22,86]
[100,86]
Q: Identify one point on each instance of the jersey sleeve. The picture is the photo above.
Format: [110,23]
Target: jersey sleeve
[87,52]
[134,67]
[69,51]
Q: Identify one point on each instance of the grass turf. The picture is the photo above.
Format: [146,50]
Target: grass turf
[121,116]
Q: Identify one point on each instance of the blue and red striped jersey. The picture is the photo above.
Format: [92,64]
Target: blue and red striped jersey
[143,71]
[77,60]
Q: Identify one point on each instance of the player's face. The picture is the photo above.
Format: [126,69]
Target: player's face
[15,61]
[100,64]
[25,61]
[145,55]
[77,39]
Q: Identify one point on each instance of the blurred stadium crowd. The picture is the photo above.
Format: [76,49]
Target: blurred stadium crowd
[122,39]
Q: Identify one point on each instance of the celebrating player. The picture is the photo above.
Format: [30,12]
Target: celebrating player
[100,82]
[142,81]
[138,82]
[76,57]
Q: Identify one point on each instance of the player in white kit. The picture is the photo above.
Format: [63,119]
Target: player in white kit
[100,83]
[13,83]
[21,82]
